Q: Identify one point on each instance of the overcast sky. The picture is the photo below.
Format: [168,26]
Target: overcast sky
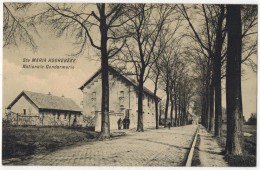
[67,82]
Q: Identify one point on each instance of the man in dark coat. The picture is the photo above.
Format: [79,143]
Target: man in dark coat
[127,123]
[169,125]
[119,123]
[124,123]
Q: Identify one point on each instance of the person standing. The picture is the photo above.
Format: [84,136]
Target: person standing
[119,123]
[127,123]
[124,123]
[169,125]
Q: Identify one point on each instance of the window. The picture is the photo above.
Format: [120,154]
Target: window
[58,116]
[121,94]
[24,111]
[121,98]
[65,115]
[93,96]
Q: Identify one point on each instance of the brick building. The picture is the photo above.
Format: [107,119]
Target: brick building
[123,100]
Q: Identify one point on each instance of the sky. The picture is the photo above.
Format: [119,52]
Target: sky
[67,82]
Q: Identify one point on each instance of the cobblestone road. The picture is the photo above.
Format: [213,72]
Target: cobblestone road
[162,147]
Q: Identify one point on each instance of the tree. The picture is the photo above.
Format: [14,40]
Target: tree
[84,23]
[205,45]
[16,29]
[172,71]
[235,136]
[217,70]
[166,40]
[168,61]
[211,44]
[144,30]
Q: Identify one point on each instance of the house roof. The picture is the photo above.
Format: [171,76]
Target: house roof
[125,78]
[48,101]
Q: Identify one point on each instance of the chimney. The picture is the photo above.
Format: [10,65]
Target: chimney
[62,96]
[49,93]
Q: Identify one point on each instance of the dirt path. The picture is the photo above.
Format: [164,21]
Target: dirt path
[209,150]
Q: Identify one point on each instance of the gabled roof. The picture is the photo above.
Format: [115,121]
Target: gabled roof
[47,101]
[125,78]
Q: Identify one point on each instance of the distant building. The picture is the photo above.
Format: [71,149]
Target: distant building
[30,108]
[123,100]
[192,118]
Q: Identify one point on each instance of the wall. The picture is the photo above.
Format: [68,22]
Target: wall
[123,97]
[52,119]
[45,118]
[22,104]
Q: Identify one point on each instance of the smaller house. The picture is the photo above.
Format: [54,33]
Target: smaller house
[30,108]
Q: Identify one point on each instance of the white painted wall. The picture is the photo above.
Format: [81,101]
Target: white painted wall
[22,104]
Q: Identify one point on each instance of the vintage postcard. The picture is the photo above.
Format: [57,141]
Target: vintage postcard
[125,84]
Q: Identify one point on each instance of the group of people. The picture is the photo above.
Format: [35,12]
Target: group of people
[125,123]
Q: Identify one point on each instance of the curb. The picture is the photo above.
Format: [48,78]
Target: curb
[190,155]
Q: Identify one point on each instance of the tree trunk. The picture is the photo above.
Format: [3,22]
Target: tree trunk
[179,107]
[217,72]
[208,96]
[211,116]
[156,101]
[175,107]
[156,114]
[202,110]
[105,124]
[160,113]
[206,120]
[184,118]
[166,105]
[140,126]
[235,137]
[171,99]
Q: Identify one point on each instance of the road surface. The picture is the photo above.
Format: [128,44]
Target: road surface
[161,147]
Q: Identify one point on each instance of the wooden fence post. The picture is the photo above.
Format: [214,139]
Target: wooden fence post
[17,119]
[69,119]
[42,118]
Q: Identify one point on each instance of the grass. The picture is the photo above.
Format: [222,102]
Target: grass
[24,141]
[248,159]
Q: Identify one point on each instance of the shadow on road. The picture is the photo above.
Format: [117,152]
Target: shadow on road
[166,144]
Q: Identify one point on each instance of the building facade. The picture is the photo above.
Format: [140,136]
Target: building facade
[37,109]
[123,100]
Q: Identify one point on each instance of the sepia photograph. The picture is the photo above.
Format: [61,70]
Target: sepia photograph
[129,84]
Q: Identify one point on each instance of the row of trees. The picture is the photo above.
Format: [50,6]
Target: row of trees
[224,39]
[139,36]
[174,79]
[146,38]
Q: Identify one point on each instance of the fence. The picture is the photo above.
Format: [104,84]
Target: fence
[16,119]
